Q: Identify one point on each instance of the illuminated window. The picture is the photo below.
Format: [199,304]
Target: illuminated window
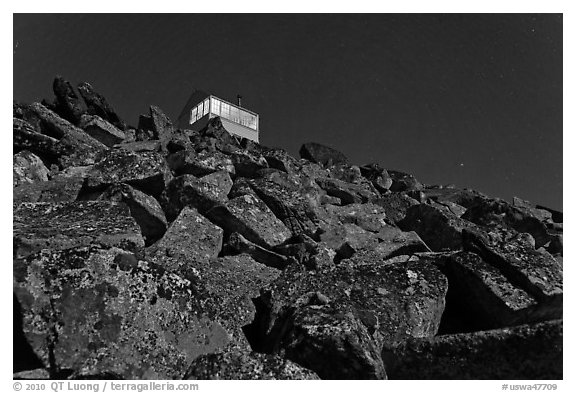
[206,107]
[193,115]
[215,106]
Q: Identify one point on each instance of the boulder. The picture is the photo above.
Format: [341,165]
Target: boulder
[205,163]
[27,167]
[497,212]
[331,322]
[247,164]
[403,181]
[347,239]
[236,365]
[139,146]
[68,105]
[378,176]
[101,130]
[347,192]
[70,136]
[395,205]
[367,216]
[26,138]
[188,244]
[321,154]
[487,298]
[162,127]
[59,189]
[439,229]
[144,208]
[98,106]
[188,190]
[280,159]
[146,171]
[535,272]
[290,201]
[59,226]
[86,311]
[529,352]
[250,217]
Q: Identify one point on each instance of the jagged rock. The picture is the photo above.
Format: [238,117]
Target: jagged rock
[497,212]
[190,241]
[250,217]
[223,139]
[392,242]
[97,105]
[145,209]
[188,190]
[25,137]
[378,176]
[179,141]
[514,255]
[529,352]
[162,127]
[439,229]
[236,365]
[68,105]
[280,159]
[347,192]
[332,322]
[27,167]
[101,130]
[321,154]
[146,171]
[247,164]
[58,189]
[403,181]
[395,205]
[487,298]
[88,311]
[38,373]
[347,239]
[59,226]
[53,138]
[290,201]
[262,255]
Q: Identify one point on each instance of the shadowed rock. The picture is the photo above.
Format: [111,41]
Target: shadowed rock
[347,192]
[513,254]
[248,164]
[489,298]
[145,209]
[529,352]
[403,181]
[332,322]
[58,226]
[101,130]
[496,212]
[439,229]
[75,147]
[98,106]
[236,365]
[68,105]
[321,154]
[395,205]
[188,190]
[260,254]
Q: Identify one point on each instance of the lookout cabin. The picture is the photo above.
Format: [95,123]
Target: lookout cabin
[201,107]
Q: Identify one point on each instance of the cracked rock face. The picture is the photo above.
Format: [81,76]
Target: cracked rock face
[165,253]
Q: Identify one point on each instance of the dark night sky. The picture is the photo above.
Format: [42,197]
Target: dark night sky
[473,100]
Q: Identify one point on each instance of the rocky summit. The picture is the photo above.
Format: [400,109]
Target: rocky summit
[154,252]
